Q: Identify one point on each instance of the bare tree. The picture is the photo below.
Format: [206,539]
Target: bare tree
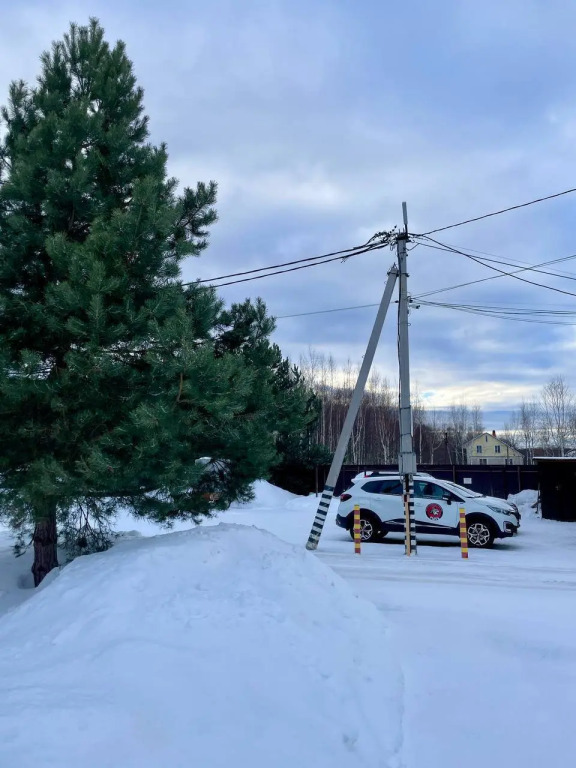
[434,429]
[528,426]
[476,421]
[386,423]
[459,425]
[558,415]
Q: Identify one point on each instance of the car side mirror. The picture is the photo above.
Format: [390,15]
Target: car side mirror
[447,497]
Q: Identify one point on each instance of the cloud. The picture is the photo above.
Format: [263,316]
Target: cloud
[318,121]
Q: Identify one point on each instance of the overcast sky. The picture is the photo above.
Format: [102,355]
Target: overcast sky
[318,118]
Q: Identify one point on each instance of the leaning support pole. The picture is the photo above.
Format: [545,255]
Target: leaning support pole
[340,451]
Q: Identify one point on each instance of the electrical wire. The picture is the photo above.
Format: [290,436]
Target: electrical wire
[501,260]
[293,269]
[484,309]
[499,309]
[345,253]
[497,213]
[502,273]
[520,265]
[504,314]
[512,274]
[325,311]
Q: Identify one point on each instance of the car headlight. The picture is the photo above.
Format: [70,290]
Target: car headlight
[500,510]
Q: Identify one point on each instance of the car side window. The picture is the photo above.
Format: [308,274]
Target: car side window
[391,487]
[426,490]
[372,487]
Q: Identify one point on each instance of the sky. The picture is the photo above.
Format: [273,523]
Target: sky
[319,118]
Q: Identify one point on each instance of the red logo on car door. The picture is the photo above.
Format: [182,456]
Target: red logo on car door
[434,511]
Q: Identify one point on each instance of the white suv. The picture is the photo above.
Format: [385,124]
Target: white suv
[436,509]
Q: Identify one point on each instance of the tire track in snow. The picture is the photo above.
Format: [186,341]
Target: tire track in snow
[397,758]
[359,572]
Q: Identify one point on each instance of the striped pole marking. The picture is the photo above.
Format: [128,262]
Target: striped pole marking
[357,530]
[320,519]
[410,545]
[463,533]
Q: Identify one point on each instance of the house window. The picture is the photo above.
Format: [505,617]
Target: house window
[508,461]
[478,449]
[496,449]
[483,461]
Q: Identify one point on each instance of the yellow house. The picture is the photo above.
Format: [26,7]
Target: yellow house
[488,449]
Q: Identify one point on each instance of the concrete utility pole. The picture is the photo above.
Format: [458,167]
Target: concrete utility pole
[407,457]
[340,452]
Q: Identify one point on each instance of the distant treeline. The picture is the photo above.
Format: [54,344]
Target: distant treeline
[543,426]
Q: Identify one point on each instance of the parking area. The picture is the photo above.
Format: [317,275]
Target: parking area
[485,647]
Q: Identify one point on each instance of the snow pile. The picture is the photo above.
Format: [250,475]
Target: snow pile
[525,501]
[218,646]
[268,495]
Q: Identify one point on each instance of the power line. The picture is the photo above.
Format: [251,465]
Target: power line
[345,253]
[490,310]
[501,260]
[522,265]
[497,311]
[497,213]
[292,269]
[326,311]
[502,273]
[498,308]
[502,315]
[512,274]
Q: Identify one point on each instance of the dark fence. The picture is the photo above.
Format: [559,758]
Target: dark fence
[491,479]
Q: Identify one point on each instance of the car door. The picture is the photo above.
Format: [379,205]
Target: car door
[435,508]
[384,498]
[391,504]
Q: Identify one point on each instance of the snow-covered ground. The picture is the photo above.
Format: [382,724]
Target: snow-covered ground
[225,646]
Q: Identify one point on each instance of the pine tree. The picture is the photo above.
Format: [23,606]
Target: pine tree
[115,390]
[292,407]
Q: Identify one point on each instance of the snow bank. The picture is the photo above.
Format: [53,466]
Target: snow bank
[219,646]
[268,495]
[525,501]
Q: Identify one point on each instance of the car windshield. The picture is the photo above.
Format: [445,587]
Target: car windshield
[468,492]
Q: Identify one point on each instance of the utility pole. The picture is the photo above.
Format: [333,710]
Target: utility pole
[355,402]
[407,457]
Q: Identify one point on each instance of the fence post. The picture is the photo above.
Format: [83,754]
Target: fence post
[357,530]
[463,533]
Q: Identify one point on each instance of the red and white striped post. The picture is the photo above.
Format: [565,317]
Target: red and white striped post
[463,533]
[357,530]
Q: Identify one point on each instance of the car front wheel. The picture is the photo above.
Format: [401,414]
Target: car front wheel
[480,535]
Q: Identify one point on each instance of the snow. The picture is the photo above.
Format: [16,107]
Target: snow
[224,645]
[526,501]
[199,647]
[267,495]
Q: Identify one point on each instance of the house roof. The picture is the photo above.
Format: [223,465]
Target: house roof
[555,458]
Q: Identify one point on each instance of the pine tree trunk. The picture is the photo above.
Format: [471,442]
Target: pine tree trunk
[45,547]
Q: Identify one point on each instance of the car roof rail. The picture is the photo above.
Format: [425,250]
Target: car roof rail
[393,472]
